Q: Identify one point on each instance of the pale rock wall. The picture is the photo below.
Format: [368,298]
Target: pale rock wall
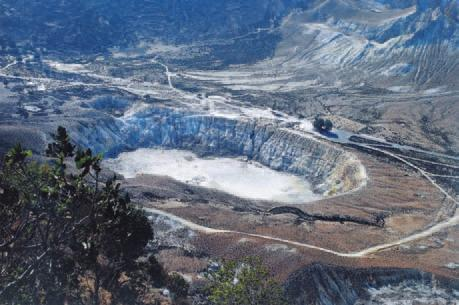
[330,170]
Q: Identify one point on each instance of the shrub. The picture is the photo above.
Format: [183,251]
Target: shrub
[244,283]
[177,285]
[322,125]
[66,237]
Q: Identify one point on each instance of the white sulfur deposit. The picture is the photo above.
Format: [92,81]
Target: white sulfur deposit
[246,179]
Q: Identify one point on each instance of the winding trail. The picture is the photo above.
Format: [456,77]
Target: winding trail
[8,65]
[167,72]
[444,176]
[438,227]
[423,234]
[199,228]
[430,162]
[420,170]
[426,232]
[362,253]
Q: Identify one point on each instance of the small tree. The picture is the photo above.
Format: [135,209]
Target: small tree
[67,237]
[322,125]
[328,125]
[244,283]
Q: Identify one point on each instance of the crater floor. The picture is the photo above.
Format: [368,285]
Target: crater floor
[236,176]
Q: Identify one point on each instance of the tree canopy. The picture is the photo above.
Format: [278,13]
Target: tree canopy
[65,236]
[322,125]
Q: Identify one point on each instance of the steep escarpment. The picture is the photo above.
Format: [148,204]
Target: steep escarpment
[400,47]
[319,284]
[329,169]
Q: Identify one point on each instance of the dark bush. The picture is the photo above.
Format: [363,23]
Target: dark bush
[177,285]
[322,125]
[60,230]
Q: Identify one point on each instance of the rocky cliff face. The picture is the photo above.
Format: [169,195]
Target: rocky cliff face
[401,46]
[328,285]
[329,169]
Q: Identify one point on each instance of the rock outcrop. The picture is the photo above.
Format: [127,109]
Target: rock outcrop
[329,169]
[377,221]
[319,284]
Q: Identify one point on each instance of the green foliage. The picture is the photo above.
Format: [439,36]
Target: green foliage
[17,155]
[245,283]
[60,230]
